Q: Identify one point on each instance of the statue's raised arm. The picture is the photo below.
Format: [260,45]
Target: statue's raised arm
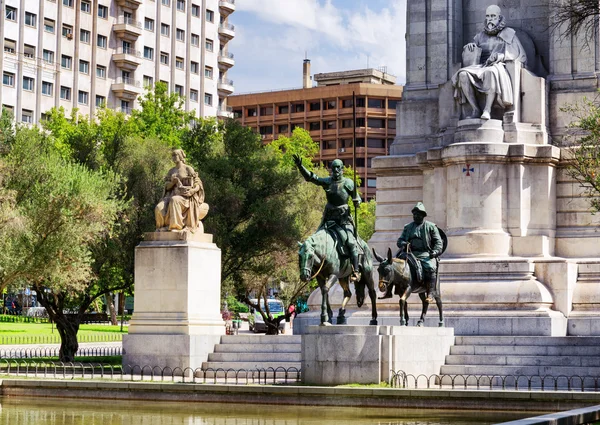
[484,68]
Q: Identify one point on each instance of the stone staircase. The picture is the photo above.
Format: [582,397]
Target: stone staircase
[251,352]
[525,356]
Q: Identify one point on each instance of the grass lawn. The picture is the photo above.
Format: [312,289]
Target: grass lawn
[46,333]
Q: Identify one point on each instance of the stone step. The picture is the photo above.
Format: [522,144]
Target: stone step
[531,370]
[526,350]
[575,361]
[251,366]
[258,348]
[528,340]
[255,357]
[261,339]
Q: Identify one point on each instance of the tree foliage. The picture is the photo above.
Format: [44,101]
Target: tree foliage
[583,149]
[575,17]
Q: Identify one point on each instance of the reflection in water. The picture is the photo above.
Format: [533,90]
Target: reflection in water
[30,411]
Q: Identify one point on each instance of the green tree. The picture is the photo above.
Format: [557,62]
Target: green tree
[64,208]
[161,115]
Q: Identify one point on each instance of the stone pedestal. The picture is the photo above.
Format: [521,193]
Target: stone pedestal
[335,355]
[176,320]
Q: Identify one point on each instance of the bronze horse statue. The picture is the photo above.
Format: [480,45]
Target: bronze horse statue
[396,271]
[318,258]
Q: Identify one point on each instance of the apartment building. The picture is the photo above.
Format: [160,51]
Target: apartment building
[87,53]
[326,111]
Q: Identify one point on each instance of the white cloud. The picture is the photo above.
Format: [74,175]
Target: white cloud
[270,46]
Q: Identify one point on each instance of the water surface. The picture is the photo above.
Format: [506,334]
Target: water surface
[58,411]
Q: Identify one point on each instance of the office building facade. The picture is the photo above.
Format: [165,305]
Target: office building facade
[326,111]
[85,53]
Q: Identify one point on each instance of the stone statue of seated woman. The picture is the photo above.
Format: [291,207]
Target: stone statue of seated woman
[182,206]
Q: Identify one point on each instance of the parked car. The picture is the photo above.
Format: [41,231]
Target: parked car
[256,323]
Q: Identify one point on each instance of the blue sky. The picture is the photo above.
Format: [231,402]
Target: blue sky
[272,37]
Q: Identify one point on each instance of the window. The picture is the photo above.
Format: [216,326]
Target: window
[85,36]
[376,103]
[329,104]
[9,46]
[166,2]
[67,31]
[9,110]
[100,71]
[251,112]
[11,14]
[66,61]
[27,116]
[181,5]
[265,129]
[48,56]
[83,97]
[28,83]
[65,93]
[376,143]
[180,34]
[298,107]
[314,106]
[165,30]
[360,122]
[328,144]
[29,51]
[194,67]
[392,104]
[125,106]
[179,63]
[68,3]
[266,110]
[375,123]
[297,125]
[84,67]
[148,81]
[371,182]
[195,10]
[8,79]
[208,99]
[100,101]
[49,25]
[86,6]
[208,71]
[194,95]
[313,126]
[347,103]
[179,90]
[149,24]
[47,88]
[282,128]
[148,53]
[30,19]
[210,15]
[208,44]
[283,109]
[329,125]
[102,12]
[102,41]
[195,40]
[392,124]
[360,102]
[164,58]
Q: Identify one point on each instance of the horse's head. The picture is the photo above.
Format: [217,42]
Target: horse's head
[306,259]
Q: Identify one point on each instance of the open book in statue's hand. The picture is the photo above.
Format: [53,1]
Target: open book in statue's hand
[471,57]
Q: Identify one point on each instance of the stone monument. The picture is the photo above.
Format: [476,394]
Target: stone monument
[478,128]
[176,320]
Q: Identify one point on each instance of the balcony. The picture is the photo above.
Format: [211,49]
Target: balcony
[226,112]
[226,86]
[225,59]
[126,88]
[226,31]
[130,4]
[226,7]
[127,29]
[127,59]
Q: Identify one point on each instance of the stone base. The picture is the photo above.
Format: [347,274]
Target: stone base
[335,355]
[147,351]
[477,130]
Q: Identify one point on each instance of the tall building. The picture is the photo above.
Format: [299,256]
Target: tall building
[326,112]
[84,53]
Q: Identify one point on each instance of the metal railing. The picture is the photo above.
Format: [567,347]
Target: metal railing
[226,54]
[225,81]
[55,339]
[37,352]
[60,370]
[128,51]
[128,81]
[227,26]
[588,383]
[129,21]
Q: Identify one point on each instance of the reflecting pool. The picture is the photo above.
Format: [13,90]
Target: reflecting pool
[55,411]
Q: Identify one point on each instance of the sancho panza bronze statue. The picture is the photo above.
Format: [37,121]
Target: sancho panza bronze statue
[336,216]
[487,74]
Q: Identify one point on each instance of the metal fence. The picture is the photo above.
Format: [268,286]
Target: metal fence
[37,352]
[400,379]
[55,339]
[147,373]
